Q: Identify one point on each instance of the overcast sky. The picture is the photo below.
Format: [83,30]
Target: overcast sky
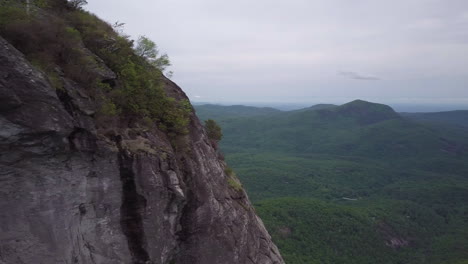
[306,50]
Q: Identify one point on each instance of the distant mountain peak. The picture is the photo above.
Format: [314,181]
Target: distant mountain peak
[363,111]
[359,102]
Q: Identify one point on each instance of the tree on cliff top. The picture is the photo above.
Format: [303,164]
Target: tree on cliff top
[147,49]
[78,4]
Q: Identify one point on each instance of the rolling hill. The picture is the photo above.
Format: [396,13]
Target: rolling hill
[355,183]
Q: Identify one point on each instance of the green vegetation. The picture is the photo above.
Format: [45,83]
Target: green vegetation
[62,39]
[232,179]
[338,184]
[355,129]
[213,130]
[147,49]
[234,183]
[314,231]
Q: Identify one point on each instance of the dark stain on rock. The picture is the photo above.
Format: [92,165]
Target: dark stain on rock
[133,204]
[82,208]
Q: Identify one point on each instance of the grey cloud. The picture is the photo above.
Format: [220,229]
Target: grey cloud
[357,76]
[256,49]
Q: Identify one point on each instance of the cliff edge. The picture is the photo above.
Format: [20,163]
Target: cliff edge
[74,192]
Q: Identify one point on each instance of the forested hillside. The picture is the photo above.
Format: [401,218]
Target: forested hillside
[356,183]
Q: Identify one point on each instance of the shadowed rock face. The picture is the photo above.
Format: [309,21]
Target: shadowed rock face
[69,194]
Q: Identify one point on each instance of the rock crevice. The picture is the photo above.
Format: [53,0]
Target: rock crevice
[132,208]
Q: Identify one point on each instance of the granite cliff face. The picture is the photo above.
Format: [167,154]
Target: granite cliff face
[71,193]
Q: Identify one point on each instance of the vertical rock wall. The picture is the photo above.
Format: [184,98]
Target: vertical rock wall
[71,194]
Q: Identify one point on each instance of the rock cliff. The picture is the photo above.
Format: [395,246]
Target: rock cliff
[71,193]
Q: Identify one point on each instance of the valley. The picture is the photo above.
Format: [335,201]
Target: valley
[356,183]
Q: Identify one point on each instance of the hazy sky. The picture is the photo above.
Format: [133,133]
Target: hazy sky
[306,50]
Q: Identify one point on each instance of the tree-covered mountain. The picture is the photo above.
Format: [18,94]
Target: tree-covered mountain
[356,183]
[357,128]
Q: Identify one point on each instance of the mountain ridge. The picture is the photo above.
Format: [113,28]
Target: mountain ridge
[331,187]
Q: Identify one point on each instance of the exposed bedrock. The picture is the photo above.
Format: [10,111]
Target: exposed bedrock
[71,194]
